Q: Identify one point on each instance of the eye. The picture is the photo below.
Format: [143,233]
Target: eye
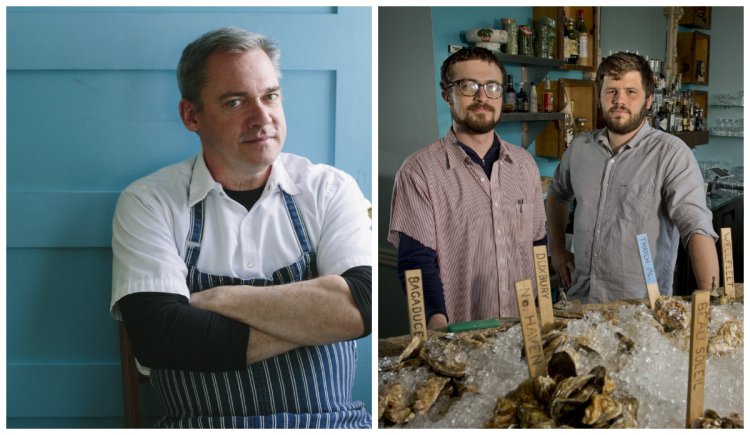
[233,103]
[272,97]
[468,86]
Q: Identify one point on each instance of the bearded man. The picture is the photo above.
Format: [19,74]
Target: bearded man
[467,209]
[628,179]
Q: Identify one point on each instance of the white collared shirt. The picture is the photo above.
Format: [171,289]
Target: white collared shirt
[152,220]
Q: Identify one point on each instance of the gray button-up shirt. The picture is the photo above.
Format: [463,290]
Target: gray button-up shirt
[652,186]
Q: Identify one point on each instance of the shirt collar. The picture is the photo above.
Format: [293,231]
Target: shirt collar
[456,155]
[202,182]
[634,141]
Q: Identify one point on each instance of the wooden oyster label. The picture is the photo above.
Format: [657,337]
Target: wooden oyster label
[532,338]
[415,299]
[543,290]
[698,347]
[649,274]
[727,261]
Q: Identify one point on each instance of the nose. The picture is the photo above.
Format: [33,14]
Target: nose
[618,98]
[481,94]
[259,114]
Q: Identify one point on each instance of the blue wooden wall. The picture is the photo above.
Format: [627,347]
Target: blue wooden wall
[92,106]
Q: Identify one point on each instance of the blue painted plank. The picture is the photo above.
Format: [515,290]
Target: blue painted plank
[90,390]
[64,423]
[143,40]
[354,127]
[94,130]
[60,306]
[60,219]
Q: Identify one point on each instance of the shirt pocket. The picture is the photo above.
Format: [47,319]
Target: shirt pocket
[636,202]
[518,214]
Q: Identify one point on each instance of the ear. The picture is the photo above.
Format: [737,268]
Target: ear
[187,114]
[446,96]
[649,101]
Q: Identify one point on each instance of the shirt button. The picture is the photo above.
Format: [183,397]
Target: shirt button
[250,265]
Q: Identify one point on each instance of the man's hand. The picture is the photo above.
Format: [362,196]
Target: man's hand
[563,261]
[437,321]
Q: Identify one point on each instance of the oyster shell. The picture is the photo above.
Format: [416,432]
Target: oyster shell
[504,416]
[727,338]
[412,349]
[428,393]
[543,388]
[712,420]
[561,366]
[394,405]
[626,344]
[533,415]
[570,395]
[446,356]
[601,410]
[671,314]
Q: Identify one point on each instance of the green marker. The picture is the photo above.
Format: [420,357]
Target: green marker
[475,324]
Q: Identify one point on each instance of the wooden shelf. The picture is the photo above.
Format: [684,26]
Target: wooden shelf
[696,17]
[694,138]
[576,67]
[531,117]
[530,60]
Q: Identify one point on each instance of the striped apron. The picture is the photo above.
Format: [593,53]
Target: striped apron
[307,387]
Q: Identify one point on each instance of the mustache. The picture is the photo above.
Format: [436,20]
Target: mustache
[614,108]
[481,106]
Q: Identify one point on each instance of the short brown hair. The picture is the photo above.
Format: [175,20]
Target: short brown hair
[620,63]
[465,54]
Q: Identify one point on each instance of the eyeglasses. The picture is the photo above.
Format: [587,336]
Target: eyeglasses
[469,88]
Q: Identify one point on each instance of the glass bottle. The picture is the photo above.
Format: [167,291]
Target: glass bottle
[571,43]
[509,97]
[547,97]
[533,101]
[583,39]
[522,99]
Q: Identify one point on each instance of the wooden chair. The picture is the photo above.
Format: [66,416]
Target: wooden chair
[131,382]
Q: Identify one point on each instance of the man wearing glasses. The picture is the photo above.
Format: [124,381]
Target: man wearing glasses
[467,209]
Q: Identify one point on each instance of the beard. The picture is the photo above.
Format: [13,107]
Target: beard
[473,124]
[634,123]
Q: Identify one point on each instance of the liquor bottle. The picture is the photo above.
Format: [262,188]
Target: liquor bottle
[522,100]
[699,121]
[547,97]
[571,42]
[533,101]
[677,117]
[509,97]
[662,118]
[583,39]
[687,123]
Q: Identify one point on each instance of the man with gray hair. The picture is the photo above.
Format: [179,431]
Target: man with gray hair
[242,275]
